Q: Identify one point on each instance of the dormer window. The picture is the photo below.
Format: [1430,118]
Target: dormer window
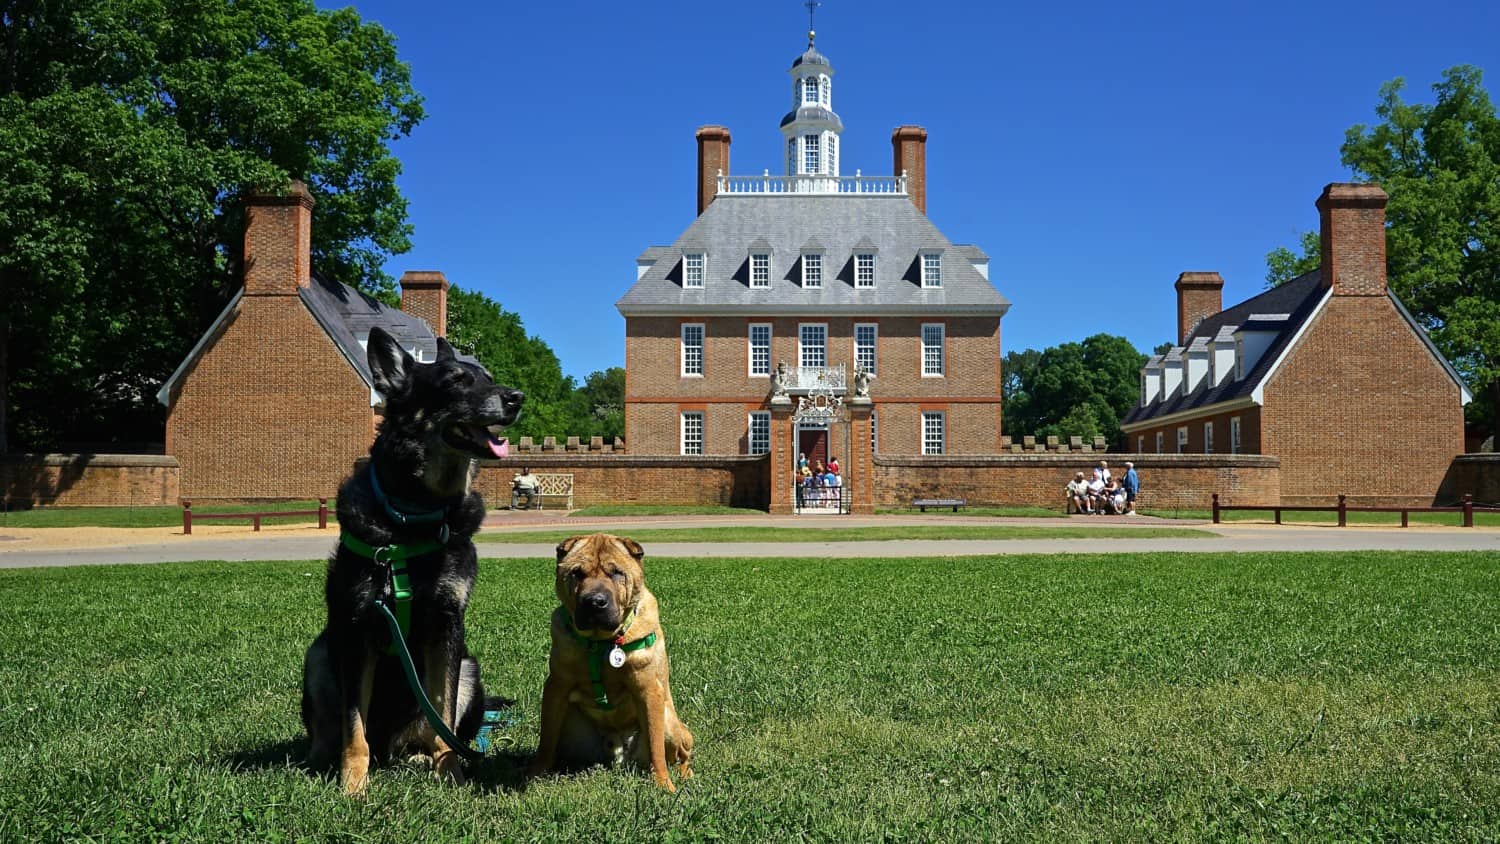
[760,269]
[864,270]
[812,269]
[932,269]
[809,90]
[692,269]
[1239,358]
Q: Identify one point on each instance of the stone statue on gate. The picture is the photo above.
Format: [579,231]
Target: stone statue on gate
[861,381]
[779,379]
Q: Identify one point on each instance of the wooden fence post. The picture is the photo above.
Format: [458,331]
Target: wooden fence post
[187,517]
[1343,511]
[322,514]
[1216,508]
[1468,510]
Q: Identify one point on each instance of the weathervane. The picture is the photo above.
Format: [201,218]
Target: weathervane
[812,6]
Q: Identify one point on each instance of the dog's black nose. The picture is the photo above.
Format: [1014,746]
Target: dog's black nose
[512,398]
[596,600]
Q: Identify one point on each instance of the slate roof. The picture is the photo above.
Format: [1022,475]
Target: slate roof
[838,223]
[811,56]
[812,113]
[1298,298]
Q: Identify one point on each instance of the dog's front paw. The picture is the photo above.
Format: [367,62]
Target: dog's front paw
[664,782]
[355,784]
[448,767]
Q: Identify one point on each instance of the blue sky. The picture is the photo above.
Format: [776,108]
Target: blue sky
[1093,150]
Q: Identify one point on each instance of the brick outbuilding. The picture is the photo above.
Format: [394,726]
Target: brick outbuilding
[1328,372]
[276,399]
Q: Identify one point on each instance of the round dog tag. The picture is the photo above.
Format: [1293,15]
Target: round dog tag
[616,657]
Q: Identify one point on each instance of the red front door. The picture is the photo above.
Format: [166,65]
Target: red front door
[814,444]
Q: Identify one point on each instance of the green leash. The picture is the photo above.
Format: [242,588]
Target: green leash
[399,624]
[597,648]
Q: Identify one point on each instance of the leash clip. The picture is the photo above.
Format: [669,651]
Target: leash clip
[384,549]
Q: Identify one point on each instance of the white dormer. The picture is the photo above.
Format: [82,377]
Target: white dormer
[1197,364]
[1151,380]
[1221,355]
[1254,336]
[1171,372]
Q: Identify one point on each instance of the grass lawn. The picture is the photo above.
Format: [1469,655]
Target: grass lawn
[1328,696]
[663,510]
[749,533]
[1027,512]
[1291,517]
[62,517]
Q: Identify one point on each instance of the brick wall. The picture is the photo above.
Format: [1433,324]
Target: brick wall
[1361,407]
[631,479]
[1250,442]
[82,480]
[1167,481]
[657,392]
[1475,474]
[270,410]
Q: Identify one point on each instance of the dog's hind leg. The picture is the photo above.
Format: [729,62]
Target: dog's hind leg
[320,705]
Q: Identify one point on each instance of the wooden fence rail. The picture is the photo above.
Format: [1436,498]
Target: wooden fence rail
[1343,509]
[188,515]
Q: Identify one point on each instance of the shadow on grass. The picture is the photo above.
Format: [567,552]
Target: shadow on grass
[501,770]
[288,753]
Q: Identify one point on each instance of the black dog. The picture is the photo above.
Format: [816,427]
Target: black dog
[413,501]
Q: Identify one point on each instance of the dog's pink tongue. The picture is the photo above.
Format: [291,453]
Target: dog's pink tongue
[500,447]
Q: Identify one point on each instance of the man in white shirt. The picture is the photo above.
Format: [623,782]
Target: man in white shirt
[524,484]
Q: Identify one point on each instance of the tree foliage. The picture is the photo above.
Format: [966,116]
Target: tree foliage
[1074,389]
[1283,265]
[1440,164]
[130,131]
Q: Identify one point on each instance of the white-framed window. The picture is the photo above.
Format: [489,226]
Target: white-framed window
[933,424]
[864,270]
[791,155]
[932,350]
[1239,358]
[810,158]
[810,90]
[1158,442]
[692,349]
[812,269]
[760,269]
[692,269]
[760,432]
[932,269]
[824,89]
[1208,438]
[865,336]
[833,153]
[1234,435]
[1140,444]
[760,349]
[874,431]
[812,344]
[1182,440]
[692,432]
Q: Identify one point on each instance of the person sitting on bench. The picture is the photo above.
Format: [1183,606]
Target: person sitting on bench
[524,484]
[1078,494]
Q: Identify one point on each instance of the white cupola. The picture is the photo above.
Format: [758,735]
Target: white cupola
[811,128]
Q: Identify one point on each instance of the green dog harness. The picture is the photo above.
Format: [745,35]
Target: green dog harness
[395,556]
[598,648]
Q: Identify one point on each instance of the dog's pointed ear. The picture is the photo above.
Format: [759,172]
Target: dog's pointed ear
[390,365]
[445,351]
[633,547]
[567,545]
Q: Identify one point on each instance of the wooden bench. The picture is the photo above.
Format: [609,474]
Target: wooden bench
[554,487]
[923,503]
[188,515]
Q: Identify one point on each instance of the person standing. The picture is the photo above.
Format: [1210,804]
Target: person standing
[1132,485]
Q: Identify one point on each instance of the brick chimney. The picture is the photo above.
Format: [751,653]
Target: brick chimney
[278,241]
[1352,220]
[424,294]
[713,159]
[909,144]
[1199,296]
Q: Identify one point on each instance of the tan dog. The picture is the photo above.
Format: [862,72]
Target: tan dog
[607,697]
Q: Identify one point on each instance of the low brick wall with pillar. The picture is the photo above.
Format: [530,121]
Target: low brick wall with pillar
[88,480]
[1168,481]
[733,481]
[1477,474]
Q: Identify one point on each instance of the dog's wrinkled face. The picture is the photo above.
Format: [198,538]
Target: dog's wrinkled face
[599,580]
[449,403]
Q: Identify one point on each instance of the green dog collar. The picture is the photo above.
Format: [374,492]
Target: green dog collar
[598,648]
[395,556]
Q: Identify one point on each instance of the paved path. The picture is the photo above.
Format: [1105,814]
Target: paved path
[1228,538]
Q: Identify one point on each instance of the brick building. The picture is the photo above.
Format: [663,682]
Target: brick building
[1328,372]
[824,273]
[276,398]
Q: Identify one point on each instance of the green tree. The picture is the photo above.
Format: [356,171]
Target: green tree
[1073,389]
[1283,265]
[479,326]
[603,394]
[1440,164]
[130,131]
